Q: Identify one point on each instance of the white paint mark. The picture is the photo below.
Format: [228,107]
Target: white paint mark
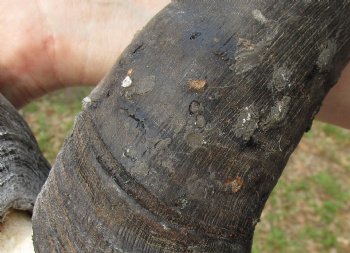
[86,102]
[126,152]
[259,16]
[165,226]
[279,144]
[249,117]
[204,142]
[280,108]
[127,82]
[119,249]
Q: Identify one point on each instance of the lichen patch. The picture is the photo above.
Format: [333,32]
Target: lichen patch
[195,108]
[327,53]
[145,85]
[247,44]
[250,55]
[281,79]
[200,121]
[277,114]
[246,123]
[257,14]
[194,140]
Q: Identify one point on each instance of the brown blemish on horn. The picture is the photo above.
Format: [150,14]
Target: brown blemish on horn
[197,85]
[235,184]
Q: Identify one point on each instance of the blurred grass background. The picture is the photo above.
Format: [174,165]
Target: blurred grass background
[309,209]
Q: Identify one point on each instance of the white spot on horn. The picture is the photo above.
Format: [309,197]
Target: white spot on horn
[127,82]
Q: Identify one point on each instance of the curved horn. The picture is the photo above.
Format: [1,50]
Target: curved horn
[182,143]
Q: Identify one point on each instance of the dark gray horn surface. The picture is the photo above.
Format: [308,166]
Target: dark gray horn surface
[180,147]
[23,169]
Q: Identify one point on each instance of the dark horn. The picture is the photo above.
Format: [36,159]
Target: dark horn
[23,169]
[182,143]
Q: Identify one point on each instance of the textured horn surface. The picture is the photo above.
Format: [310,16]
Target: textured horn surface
[23,169]
[182,143]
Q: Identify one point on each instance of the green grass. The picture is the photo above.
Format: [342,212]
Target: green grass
[52,117]
[277,240]
[308,209]
[340,135]
[331,186]
[321,234]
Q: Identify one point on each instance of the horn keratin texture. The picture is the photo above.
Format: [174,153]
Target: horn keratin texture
[23,169]
[182,143]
